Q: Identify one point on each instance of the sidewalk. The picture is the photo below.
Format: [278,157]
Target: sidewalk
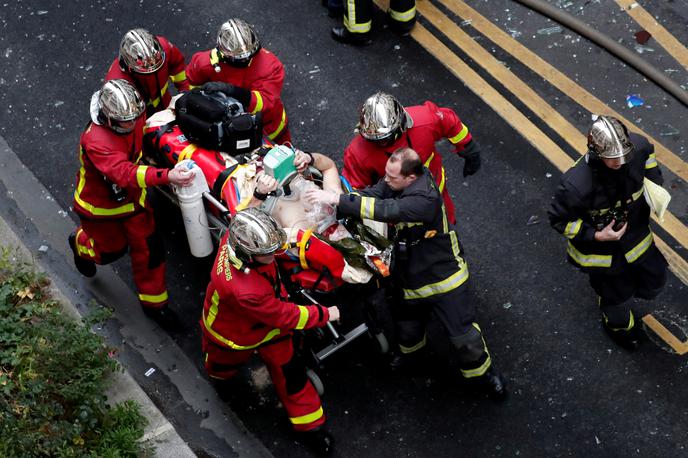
[159,434]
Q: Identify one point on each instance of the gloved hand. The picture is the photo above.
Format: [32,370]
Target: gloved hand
[241,94]
[471,154]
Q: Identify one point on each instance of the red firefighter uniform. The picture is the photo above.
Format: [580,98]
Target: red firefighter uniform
[364,161]
[153,87]
[247,312]
[110,199]
[263,77]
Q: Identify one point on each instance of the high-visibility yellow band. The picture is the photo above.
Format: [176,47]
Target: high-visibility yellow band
[404,16]
[181,76]
[350,20]
[416,347]
[187,152]
[259,102]
[631,322]
[141,175]
[303,317]
[155,102]
[460,136]
[651,161]
[154,298]
[308,418]
[302,248]
[572,228]
[638,250]
[450,283]
[280,128]
[368,207]
[588,260]
[478,371]
[214,57]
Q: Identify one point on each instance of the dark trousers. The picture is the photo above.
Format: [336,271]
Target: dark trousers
[456,311]
[644,279]
[358,14]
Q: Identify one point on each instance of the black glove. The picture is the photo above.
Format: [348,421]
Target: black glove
[241,94]
[471,154]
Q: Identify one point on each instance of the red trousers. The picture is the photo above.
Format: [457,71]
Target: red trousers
[105,240]
[288,376]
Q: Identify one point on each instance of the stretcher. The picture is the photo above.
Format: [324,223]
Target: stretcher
[307,278]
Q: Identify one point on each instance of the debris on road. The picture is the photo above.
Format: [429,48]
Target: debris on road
[550,30]
[634,100]
[533,220]
[642,37]
[149,372]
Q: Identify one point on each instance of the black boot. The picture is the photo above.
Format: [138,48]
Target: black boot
[625,339]
[494,385]
[319,441]
[414,362]
[164,316]
[84,266]
[401,28]
[342,35]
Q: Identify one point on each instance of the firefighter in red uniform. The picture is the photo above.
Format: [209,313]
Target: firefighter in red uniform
[256,74]
[386,126]
[110,196]
[246,310]
[148,63]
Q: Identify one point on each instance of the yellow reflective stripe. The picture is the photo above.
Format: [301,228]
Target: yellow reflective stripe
[456,251]
[404,16]
[191,86]
[651,161]
[85,249]
[572,228]
[187,152]
[210,319]
[588,260]
[429,160]
[181,76]
[639,249]
[350,19]
[479,371]
[302,248]
[636,195]
[155,102]
[259,102]
[154,298]
[279,129]
[631,322]
[440,188]
[452,282]
[308,418]
[460,136]
[142,199]
[214,57]
[126,208]
[303,317]
[141,175]
[368,207]
[416,347]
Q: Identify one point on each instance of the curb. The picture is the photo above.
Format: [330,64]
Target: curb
[159,433]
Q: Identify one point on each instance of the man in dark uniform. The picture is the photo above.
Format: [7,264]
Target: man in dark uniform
[358,20]
[430,274]
[599,207]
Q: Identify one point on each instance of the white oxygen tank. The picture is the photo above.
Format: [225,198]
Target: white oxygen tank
[193,211]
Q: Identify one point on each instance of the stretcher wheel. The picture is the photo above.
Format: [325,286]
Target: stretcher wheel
[382,342]
[316,381]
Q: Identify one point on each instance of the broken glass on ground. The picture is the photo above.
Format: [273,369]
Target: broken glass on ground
[669,131]
[550,30]
[640,49]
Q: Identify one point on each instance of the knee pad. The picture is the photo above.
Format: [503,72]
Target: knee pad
[156,250]
[470,345]
[295,375]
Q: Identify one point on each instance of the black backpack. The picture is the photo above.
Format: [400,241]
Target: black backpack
[212,119]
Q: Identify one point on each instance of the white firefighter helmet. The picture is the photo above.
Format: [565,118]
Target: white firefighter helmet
[608,139]
[141,52]
[383,118]
[252,232]
[237,42]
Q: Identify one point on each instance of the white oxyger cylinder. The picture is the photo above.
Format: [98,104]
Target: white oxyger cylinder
[193,211]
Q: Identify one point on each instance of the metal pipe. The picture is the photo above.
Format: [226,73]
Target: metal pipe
[610,45]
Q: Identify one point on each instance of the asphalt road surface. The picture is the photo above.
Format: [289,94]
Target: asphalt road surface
[572,391]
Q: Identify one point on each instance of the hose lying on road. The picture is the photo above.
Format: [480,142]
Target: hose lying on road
[610,45]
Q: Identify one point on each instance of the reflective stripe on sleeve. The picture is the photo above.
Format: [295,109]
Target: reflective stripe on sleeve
[651,161]
[141,175]
[588,260]
[279,129]
[638,250]
[368,207]
[259,102]
[155,102]
[181,76]
[303,317]
[460,136]
[572,228]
